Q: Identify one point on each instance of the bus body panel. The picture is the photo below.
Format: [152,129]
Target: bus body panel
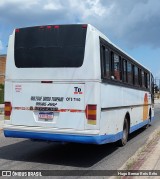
[27,87]
[30,90]
[115,107]
[66,101]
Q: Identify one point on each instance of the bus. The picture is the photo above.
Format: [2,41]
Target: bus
[70,83]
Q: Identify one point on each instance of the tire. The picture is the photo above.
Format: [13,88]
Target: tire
[124,139]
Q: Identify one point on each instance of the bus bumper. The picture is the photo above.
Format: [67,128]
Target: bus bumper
[86,139]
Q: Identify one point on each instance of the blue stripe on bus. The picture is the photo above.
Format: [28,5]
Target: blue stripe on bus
[138,126]
[99,139]
[153,119]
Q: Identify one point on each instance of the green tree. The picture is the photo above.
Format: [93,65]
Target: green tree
[1,93]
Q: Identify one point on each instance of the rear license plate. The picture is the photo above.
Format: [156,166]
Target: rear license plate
[46,115]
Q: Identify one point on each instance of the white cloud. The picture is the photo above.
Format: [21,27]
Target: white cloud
[86,8]
[53,5]
[24,3]
[136,22]
[95,7]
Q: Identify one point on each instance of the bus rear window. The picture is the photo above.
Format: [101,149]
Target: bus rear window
[50,46]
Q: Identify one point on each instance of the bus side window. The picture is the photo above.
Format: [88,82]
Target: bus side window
[143,80]
[107,63]
[105,60]
[140,77]
[133,74]
[117,67]
[124,71]
[148,80]
[129,73]
[136,75]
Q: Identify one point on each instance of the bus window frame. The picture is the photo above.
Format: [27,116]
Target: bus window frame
[123,57]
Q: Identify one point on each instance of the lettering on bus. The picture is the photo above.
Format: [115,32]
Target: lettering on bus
[45,104]
[77,90]
[73,99]
[45,98]
[36,98]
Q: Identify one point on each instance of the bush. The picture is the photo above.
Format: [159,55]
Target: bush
[1,93]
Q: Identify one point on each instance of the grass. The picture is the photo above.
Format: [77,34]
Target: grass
[1,93]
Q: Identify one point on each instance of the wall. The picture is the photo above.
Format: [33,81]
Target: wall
[2,68]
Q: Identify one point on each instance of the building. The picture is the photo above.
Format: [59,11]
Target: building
[2,68]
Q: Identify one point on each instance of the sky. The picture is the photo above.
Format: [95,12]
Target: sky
[133,25]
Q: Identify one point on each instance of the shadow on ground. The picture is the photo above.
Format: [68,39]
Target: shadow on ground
[77,155]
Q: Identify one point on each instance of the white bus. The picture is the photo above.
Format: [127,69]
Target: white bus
[70,83]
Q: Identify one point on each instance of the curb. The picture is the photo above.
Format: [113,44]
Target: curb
[136,161]
[143,151]
[140,157]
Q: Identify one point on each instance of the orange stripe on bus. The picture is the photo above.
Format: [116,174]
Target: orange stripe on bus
[91,112]
[59,110]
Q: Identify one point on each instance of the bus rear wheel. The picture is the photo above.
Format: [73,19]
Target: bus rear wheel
[124,139]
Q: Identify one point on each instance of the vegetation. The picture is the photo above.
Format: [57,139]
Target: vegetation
[1,93]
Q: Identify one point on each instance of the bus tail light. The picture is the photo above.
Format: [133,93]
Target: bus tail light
[17,30]
[7,110]
[84,26]
[49,27]
[91,113]
[56,26]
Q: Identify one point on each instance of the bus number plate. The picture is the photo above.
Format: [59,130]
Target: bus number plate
[46,115]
